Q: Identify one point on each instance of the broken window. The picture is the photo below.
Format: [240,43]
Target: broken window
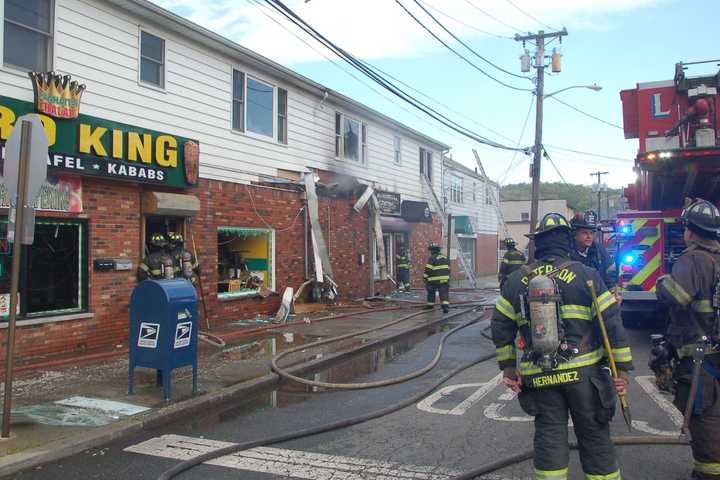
[350,139]
[245,261]
[53,276]
[426,163]
[388,249]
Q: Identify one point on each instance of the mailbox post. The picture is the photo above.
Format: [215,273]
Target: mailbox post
[163,330]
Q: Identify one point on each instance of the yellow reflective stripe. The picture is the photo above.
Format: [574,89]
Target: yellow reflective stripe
[441,278]
[707,468]
[437,267]
[513,262]
[584,360]
[610,476]
[646,271]
[605,300]
[576,311]
[144,267]
[561,474]
[676,291]
[702,306]
[622,354]
[505,353]
[505,307]
[155,272]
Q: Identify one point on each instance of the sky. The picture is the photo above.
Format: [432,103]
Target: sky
[611,43]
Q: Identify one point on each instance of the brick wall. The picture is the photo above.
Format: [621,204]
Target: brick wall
[486,254]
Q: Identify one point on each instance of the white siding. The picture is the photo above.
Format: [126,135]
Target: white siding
[99,45]
[483,215]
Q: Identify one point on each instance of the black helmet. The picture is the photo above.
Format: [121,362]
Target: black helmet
[158,240]
[509,242]
[551,221]
[702,215]
[581,221]
[434,248]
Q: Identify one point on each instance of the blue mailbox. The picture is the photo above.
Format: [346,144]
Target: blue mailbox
[163,330]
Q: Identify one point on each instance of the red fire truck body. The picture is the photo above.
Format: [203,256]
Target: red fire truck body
[676,123]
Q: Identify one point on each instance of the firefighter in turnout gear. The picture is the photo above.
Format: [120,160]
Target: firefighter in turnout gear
[691,293]
[511,261]
[559,367]
[403,269]
[184,261]
[437,278]
[158,264]
[590,252]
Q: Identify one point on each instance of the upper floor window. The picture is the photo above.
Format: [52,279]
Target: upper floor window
[426,163]
[488,195]
[473,192]
[28,34]
[350,139]
[255,109]
[152,59]
[524,216]
[456,189]
[397,148]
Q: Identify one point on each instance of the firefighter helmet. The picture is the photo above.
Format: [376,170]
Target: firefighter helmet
[434,248]
[509,243]
[551,221]
[581,221]
[175,237]
[703,215]
[158,240]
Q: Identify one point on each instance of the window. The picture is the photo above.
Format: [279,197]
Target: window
[28,34]
[259,107]
[238,106]
[152,59]
[456,189]
[245,261]
[524,216]
[473,192]
[488,195]
[426,163]
[350,139]
[282,116]
[397,150]
[59,252]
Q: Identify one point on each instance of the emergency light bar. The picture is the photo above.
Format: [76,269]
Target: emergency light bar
[625,229]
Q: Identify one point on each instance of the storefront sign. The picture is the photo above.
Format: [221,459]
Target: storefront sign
[416,211]
[97,147]
[56,95]
[57,194]
[389,203]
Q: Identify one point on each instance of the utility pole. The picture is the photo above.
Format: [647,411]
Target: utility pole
[539,40]
[599,192]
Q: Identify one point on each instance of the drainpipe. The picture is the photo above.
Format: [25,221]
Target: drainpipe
[305,239]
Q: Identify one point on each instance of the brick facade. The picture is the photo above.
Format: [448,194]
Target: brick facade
[113,214]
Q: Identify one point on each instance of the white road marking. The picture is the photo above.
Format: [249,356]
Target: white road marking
[644,426]
[492,412]
[291,463]
[648,384]
[507,396]
[426,405]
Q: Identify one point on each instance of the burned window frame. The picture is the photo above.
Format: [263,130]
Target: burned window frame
[272,261]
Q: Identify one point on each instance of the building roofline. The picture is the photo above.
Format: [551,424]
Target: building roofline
[452,164]
[195,32]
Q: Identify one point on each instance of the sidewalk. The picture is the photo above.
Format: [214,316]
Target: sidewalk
[45,431]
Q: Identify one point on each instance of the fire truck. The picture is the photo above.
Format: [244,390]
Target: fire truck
[676,123]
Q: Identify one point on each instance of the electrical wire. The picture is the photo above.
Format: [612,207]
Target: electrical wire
[519,141]
[589,154]
[524,12]
[370,72]
[586,113]
[461,42]
[557,170]
[262,219]
[492,17]
[458,54]
[465,24]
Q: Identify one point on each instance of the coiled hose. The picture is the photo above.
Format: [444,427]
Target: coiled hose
[188,464]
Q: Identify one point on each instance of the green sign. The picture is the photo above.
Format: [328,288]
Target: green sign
[97,147]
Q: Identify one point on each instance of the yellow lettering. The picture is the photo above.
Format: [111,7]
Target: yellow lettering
[143,147]
[50,128]
[117,144]
[166,151]
[567,276]
[7,119]
[524,280]
[91,140]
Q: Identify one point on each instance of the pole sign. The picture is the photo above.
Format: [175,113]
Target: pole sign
[37,158]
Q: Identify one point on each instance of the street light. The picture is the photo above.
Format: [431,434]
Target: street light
[594,87]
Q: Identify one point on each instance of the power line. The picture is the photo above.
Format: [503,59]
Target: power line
[519,140]
[460,55]
[457,39]
[524,12]
[492,17]
[465,24]
[557,170]
[370,72]
[590,154]
[586,113]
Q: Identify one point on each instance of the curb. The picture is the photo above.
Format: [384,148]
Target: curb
[63,448]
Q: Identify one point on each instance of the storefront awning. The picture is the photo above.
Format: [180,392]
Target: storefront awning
[174,204]
[463,225]
[395,224]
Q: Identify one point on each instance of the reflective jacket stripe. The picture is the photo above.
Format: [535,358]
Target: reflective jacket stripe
[622,354]
[675,290]
[144,267]
[513,262]
[610,476]
[605,300]
[505,307]
[576,311]
[707,468]
[702,306]
[590,358]
[561,474]
[505,353]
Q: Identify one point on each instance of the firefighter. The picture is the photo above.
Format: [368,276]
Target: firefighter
[561,367]
[158,264]
[403,269]
[590,252]
[689,291]
[437,278]
[184,261]
[512,260]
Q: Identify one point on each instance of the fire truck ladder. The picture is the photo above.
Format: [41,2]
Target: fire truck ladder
[469,273]
[494,200]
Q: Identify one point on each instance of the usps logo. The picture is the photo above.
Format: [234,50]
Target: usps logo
[149,334]
[182,334]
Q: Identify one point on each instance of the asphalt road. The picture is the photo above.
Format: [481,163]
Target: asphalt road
[471,421]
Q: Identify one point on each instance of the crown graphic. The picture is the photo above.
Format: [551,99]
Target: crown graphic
[56,95]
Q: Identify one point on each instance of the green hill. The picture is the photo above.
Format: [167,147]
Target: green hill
[578,197]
